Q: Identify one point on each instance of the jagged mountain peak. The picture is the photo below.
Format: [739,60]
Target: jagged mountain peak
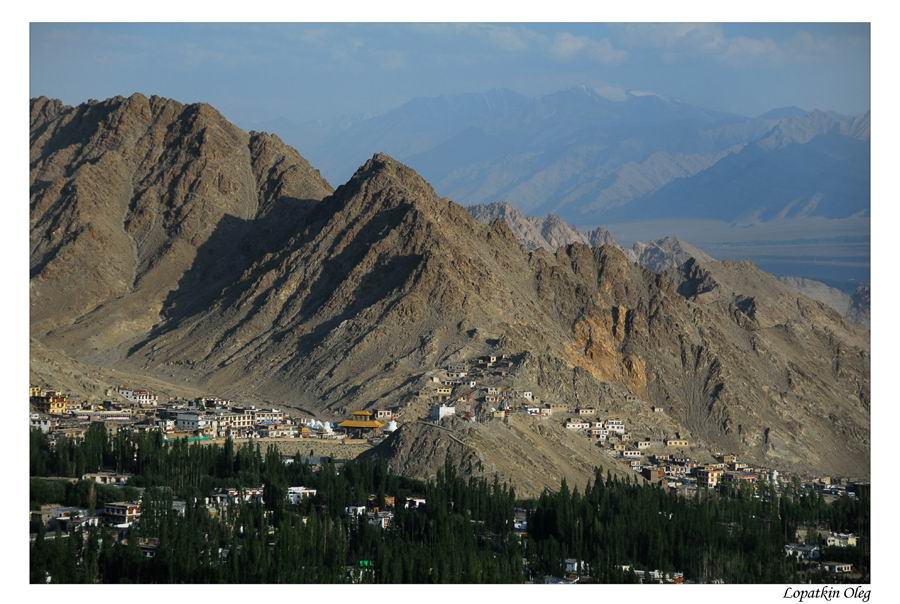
[385,178]
[534,232]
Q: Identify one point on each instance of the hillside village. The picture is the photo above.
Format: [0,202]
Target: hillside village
[479,390]
[638,436]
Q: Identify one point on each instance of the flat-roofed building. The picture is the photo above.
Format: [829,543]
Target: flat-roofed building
[298,494]
[122,512]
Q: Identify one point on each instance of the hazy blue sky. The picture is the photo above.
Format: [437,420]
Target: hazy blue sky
[259,72]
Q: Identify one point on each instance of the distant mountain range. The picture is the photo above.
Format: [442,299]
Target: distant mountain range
[594,160]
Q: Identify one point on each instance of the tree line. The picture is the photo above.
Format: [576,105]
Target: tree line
[463,534]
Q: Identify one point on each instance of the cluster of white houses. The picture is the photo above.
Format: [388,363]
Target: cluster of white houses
[813,540]
[242,422]
[58,415]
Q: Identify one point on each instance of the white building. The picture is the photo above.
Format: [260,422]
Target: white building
[141,397]
[615,425]
[40,423]
[298,494]
[577,424]
[600,434]
[191,421]
[439,412]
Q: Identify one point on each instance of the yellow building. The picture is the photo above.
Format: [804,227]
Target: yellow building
[357,428]
[677,442]
[708,477]
[52,403]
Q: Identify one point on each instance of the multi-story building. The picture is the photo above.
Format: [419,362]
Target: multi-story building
[53,403]
[139,396]
[234,420]
[708,477]
[191,421]
[261,416]
[122,512]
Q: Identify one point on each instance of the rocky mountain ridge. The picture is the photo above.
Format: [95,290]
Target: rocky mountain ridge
[547,232]
[666,253]
[217,259]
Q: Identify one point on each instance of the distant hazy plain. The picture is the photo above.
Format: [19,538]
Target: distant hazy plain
[833,251]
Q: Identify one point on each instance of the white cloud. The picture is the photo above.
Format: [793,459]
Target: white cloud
[677,41]
[672,37]
[515,38]
[568,46]
[508,38]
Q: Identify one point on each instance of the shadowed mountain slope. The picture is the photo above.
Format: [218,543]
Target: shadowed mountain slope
[125,193]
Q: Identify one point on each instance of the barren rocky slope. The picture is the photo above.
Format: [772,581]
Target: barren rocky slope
[350,301]
[129,195]
[531,453]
